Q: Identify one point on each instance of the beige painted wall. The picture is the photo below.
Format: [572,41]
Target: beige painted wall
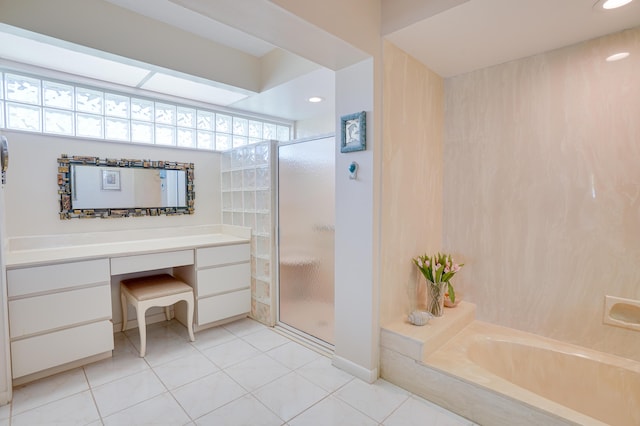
[411,178]
[542,190]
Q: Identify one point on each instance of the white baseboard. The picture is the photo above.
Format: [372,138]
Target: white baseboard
[364,374]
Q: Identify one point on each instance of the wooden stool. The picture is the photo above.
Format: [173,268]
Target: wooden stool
[155,290]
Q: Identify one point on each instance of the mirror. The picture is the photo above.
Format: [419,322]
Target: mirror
[94,187]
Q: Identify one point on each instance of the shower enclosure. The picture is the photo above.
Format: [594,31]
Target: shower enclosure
[306,213]
[296,291]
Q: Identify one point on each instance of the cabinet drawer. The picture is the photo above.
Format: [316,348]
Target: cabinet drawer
[47,312]
[224,306]
[50,350]
[148,262]
[223,279]
[212,256]
[38,279]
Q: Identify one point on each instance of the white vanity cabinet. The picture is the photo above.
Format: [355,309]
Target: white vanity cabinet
[222,283]
[58,314]
[60,298]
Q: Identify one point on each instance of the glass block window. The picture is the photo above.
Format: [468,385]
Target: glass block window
[223,141]
[116,105]
[223,123]
[165,113]
[255,129]
[89,125]
[206,120]
[186,138]
[88,100]
[206,140]
[36,104]
[22,89]
[117,129]
[186,117]
[240,126]
[23,117]
[57,95]
[142,109]
[141,132]
[269,131]
[165,135]
[58,121]
[283,133]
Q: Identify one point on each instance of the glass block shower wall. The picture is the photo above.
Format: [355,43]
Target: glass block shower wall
[247,200]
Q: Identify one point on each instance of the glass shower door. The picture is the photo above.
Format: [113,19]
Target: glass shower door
[306,199]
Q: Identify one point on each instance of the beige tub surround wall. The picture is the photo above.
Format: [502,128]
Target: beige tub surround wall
[542,190]
[411,179]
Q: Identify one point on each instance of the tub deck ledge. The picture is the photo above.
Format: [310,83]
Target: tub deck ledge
[417,342]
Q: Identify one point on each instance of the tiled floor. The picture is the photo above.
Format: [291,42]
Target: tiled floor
[242,373]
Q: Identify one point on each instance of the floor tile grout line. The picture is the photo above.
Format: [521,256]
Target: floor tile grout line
[130,406]
[93,397]
[217,408]
[311,406]
[138,403]
[356,408]
[52,401]
[396,409]
[171,393]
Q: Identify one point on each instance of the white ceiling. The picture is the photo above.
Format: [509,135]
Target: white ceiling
[454,37]
[187,20]
[481,33]
[35,49]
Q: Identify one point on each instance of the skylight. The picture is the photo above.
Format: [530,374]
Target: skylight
[35,49]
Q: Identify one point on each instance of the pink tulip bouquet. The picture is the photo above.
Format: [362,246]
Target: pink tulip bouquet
[439,268]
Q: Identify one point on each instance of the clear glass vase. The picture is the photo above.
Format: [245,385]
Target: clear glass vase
[435,298]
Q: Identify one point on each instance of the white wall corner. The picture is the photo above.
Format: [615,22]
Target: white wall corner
[365,374]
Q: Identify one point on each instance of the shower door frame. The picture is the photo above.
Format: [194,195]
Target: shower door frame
[315,342]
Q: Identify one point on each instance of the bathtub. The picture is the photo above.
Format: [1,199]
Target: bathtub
[529,379]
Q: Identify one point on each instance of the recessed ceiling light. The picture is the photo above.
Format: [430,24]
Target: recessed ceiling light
[612,4]
[315,99]
[617,56]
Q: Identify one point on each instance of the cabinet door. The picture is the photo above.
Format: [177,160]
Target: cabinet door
[50,350]
[32,315]
[224,306]
[222,255]
[224,279]
[41,279]
[148,262]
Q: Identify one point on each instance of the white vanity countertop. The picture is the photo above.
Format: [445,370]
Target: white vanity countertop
[67,250]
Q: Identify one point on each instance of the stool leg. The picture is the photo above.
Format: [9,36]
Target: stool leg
[167,312]
[190,304]
[123,303]
[142,328]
